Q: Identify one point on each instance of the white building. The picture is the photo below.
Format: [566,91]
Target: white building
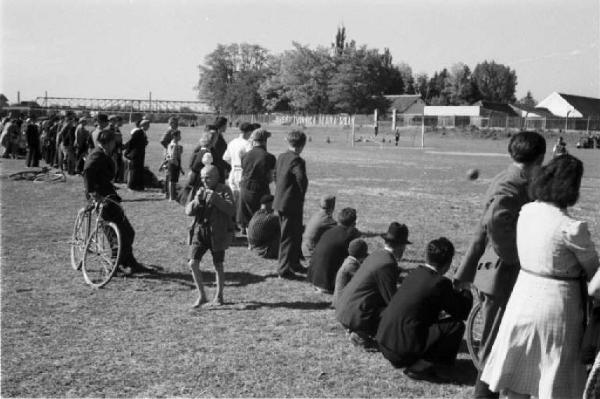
[571,106]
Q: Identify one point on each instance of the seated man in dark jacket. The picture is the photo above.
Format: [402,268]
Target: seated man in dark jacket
[411,333]
[372,288]
[98,173]
[264,230]
[331,250]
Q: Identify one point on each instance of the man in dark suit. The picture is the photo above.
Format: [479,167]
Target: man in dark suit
[411,333]
[372,288]
[331,250]
[494,244]
[289,203]
[257,173]
[219,147]
[135,152]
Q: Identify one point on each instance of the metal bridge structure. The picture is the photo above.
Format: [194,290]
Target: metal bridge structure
[128,105]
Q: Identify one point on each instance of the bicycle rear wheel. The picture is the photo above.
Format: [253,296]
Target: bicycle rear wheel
[81,230]
[474,334]
[102,252]
[24,175]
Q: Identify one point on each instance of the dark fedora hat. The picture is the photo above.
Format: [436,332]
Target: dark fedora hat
[397,233]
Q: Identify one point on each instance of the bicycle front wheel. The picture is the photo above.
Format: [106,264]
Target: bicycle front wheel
[474,334]
[81,230]
[102,252]
[51,177]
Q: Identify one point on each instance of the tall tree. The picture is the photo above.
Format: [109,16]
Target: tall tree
[528,100]
[422,85]
[462,89]
[495,82]
[440,89]
[301,81]
[230,78]
[340,41]
[360,80]
[408,80]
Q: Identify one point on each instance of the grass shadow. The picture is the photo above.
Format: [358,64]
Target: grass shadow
[149,199]
[234,279]
[288,305]
[369,234]
[462,373]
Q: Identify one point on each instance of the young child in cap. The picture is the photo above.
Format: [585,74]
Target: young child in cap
[196,162]
[358,250]
[173,158]
[212,229]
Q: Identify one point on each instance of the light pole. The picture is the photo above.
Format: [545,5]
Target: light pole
[567,120]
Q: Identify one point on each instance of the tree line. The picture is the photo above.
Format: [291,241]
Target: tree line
[243,78]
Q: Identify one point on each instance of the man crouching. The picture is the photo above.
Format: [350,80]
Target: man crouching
[411,333]
[212,229]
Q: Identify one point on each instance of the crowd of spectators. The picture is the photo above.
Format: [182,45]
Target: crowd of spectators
[540,256]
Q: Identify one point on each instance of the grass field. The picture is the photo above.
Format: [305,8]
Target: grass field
[138,336]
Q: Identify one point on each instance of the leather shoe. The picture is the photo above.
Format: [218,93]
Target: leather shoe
[139,268]
[301,269]
[427,374]
[289,276]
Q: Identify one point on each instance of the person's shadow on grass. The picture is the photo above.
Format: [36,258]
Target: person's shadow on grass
[253,305]
[463,372]
[232,279]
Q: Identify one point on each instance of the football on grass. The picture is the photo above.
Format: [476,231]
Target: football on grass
[472,174]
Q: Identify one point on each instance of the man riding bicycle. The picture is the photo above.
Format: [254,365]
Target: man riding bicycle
[98,173]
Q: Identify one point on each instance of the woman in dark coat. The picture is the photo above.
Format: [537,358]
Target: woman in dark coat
[331,250]
[135,152]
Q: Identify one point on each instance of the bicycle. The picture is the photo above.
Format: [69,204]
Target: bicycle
[95,244]
[45,174]
[474,331]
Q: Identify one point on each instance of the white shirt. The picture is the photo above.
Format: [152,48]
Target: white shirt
[235,149]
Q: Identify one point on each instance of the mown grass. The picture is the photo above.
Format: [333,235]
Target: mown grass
[138,336]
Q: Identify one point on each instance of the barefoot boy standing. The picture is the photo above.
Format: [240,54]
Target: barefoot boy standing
[212,229]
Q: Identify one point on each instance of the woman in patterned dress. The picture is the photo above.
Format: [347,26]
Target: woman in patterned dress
[537,349]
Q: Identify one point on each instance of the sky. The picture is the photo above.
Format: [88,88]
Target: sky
[128,48]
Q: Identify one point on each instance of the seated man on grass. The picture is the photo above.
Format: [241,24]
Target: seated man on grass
[331,250]
[372,288]
[411,333]
[321,221]
[264,230]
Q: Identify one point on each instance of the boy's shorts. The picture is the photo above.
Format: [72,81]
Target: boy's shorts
[199,247]
[173,172]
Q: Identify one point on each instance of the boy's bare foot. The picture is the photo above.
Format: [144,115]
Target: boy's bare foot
[216,302]
[199,302]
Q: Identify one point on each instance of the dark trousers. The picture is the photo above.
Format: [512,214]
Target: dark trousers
[120,168]
[136,177]
[291,240]
[80,160]
[49,153]
[492,309]
[113,213]
[249,203]
[33,155]
[443,342]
